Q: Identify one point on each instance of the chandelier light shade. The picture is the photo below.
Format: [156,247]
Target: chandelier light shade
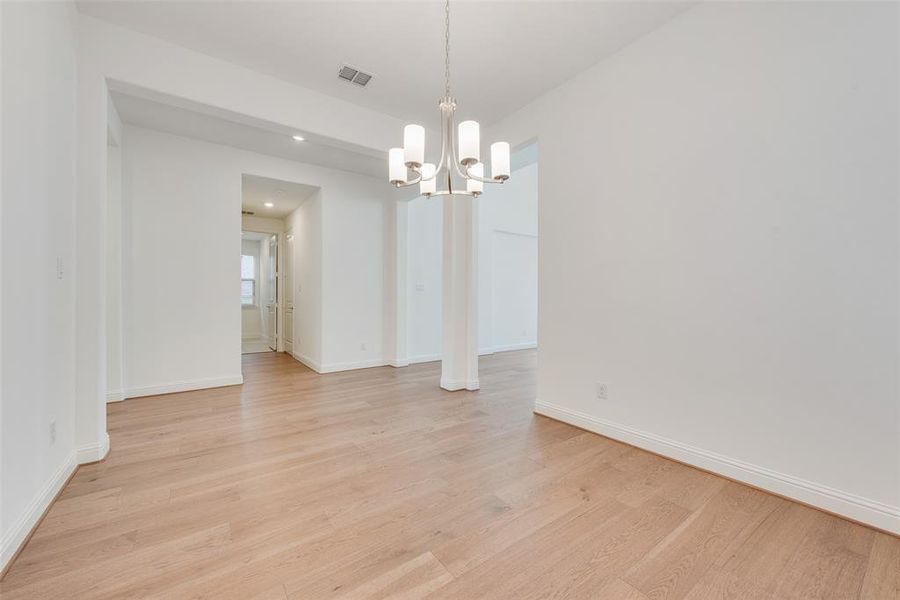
[469,143]
[428,185]
[460,159]
[475,186]
[414,146]
[500,160]
[397,169]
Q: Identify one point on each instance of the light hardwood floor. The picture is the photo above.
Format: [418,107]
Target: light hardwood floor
[376,484]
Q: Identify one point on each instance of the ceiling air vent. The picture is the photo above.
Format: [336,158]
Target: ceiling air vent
[354,75]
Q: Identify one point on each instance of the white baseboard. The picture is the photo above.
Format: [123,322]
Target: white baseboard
[183,386]
[854,507]
[93,452]
[453,385]
[309,362]
[115,396]
[424,358]
[350,366]
[346,366]
[362,364]
[22,527]
[513,347]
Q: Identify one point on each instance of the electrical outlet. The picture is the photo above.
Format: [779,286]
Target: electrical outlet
[362,346]
[59,267]
[420,287]
[602,391]
[52,432]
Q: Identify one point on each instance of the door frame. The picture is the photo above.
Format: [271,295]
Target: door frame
[279,266]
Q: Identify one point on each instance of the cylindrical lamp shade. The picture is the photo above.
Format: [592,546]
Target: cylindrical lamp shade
[469,142]
[396,168]
[414,145]
[500,161]
[473,185]
[428,185]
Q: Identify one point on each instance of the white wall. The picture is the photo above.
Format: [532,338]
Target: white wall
[181,271]
[38,188]
[719,243]
[424,282]
[354,262]
[306,225]
[507,263]
[114,351]
[507,269]
[200,183]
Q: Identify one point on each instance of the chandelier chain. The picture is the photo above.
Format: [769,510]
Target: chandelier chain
[447,48]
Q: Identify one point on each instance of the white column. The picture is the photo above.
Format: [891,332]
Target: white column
[91,439]
[459,363]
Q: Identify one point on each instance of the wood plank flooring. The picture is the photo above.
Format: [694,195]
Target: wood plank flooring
[376,484]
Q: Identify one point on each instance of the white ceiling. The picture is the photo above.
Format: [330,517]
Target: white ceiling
[503,54]
[285,195]
[164,113]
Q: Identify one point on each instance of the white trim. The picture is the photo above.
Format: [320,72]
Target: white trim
[115,396]
[20,530]
[398,362]
[93,452]
[315,366]
[184,386]
[350,366]
[849,505]
[518,233]
[511,347]
[424,358]
[454,385]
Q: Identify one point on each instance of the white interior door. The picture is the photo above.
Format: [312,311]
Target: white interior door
[288,280]
[271,287]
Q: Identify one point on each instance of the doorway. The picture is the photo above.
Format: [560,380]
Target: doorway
[280,229]
[259,292]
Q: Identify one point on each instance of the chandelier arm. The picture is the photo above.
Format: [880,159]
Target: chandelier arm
[453,154]
[468,175]
[414,181]
[445,110]
[440,164]
[452,193]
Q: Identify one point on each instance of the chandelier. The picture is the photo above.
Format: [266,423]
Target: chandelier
[460,155]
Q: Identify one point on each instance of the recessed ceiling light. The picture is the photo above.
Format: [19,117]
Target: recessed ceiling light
[268,204]
[299,138]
